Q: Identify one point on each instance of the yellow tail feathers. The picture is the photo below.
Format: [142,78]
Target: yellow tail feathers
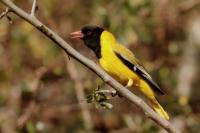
[158,108]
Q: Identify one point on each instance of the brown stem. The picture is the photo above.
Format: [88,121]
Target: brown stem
[4,13]
[80,93]
[92,66]
[34,8]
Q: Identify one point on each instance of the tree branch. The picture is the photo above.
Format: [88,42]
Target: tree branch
[4,13]
[92,66]
[188,6]
[34,8]
[31,107]
[112,92]
[78,85]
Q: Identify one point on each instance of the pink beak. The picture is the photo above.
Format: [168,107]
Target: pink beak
[77,34]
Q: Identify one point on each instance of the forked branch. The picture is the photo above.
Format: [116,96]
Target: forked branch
[5,13]
[91,65]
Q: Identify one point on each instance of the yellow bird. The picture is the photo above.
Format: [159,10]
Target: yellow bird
[120,63]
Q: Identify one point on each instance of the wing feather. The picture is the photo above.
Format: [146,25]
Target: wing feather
[132,63]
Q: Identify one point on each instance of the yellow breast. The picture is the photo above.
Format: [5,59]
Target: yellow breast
[111,63]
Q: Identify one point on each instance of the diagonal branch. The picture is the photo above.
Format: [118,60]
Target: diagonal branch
[78,85]
[92,66]
[188,6]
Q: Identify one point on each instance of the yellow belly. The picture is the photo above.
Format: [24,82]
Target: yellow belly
[122,74]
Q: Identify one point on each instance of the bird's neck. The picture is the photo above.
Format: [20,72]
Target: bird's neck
[107,39]
[107,42]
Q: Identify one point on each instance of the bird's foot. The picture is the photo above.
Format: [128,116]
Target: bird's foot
[129,84]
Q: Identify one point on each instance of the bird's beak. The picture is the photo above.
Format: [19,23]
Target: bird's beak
[77,34]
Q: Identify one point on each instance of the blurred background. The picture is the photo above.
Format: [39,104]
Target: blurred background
[42,90]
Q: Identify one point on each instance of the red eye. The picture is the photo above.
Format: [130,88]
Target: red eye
[89,33]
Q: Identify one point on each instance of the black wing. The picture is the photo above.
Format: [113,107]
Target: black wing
[139,70]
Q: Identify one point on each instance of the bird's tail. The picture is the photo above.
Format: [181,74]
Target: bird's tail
[159,109]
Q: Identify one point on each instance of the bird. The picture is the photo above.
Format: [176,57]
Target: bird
[119,62]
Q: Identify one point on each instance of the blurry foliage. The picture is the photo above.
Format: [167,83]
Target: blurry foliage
[99,98]
[154,30]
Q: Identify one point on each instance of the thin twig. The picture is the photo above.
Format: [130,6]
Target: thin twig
[112,92]
[188,6]
[32,104]
[34,8]
[80,93]
[4,13]
[92,66]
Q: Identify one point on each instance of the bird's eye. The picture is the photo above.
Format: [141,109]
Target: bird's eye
[89,33]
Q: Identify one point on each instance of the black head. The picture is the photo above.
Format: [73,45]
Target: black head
[91,37]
